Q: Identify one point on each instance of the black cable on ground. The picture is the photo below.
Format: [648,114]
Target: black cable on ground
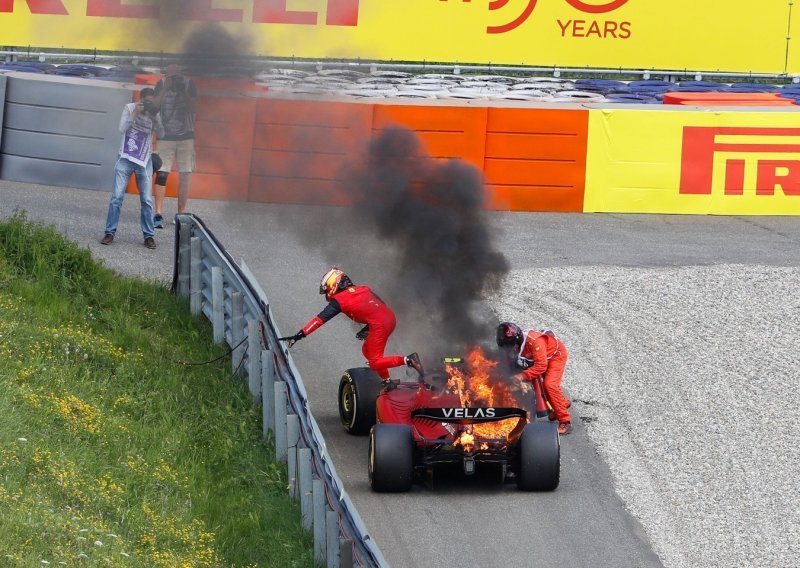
[191,364]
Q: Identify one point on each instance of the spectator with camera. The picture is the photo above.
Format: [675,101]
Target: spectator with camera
[177,97]
[138,123]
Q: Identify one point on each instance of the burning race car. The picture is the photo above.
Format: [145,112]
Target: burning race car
[463,414]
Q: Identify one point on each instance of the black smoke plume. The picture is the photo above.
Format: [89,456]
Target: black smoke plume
[212,50]
[429,214]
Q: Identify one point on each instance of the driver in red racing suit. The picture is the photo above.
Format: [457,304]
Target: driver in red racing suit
[540,353]
[361,305]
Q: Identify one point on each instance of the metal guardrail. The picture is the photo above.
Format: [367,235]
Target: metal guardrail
[229,296]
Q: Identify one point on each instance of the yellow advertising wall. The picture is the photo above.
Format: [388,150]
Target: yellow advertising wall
[693,161]
[710,35]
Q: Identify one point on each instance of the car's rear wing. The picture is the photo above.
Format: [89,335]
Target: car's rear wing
[469,415]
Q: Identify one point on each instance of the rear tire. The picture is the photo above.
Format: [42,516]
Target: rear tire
[391,458]
[358,390]
[539,457]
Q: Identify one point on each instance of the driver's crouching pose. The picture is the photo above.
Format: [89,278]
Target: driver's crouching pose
[361,305]
[540,353]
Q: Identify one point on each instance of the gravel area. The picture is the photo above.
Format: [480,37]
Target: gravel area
[686,380]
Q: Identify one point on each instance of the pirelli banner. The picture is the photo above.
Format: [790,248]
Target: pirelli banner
[693,161]
[710,35]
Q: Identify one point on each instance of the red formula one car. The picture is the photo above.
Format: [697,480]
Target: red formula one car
[457,415]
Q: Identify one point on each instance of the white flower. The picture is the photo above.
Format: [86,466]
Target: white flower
[45,562]
[82,555]
[98,543]
[111,535]
[125,554]
[23,440]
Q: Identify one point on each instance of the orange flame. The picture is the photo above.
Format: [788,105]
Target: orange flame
[479,385]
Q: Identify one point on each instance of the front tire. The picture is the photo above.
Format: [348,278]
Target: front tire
[391,458]
[358,390]
[539,457]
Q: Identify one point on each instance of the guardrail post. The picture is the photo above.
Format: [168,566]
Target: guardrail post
[237,330]
[280,422]
[346,553]
[267,392]
[195,284]
[318,504]
[332,538]
[292,439]
[217,305]
[304,470]
[254,359]
[184,257]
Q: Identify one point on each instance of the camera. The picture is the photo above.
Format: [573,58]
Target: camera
[178,83]
[150,108]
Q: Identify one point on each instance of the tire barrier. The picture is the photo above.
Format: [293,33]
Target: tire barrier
[353,83]
[632,98]
[229,296]
[603,86]
[704,85]
[578,97]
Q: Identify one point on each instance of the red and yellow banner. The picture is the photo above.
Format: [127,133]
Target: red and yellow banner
[713,35]
[708,162]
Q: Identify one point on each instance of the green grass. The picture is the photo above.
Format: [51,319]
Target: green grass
[113,452]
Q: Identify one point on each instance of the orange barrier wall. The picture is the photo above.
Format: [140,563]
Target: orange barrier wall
[301,149]
[298,151]
[535,159]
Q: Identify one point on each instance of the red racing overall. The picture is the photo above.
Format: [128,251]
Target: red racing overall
[543,353]
[361,305]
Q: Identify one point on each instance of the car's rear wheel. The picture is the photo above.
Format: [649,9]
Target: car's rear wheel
[358,390]
[539,457]
[391,458]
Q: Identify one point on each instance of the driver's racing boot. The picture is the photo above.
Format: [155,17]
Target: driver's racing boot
[414,362]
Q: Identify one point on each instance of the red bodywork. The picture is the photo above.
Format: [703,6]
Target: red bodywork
[394,405]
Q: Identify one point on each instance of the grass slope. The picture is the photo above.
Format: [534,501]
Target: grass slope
[112,451]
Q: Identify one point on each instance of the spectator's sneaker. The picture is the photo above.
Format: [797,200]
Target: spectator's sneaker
[414,362]
[158,221]
[150,242]
[564,428]
[107,239]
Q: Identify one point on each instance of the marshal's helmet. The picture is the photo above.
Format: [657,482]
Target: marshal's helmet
[333,282]
[508,334]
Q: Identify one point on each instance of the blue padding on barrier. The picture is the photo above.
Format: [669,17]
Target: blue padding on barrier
[752,88]
[93,69]
[651,83]
[711,85]
[600,85]
[738,89]
[21,68]
[698,89]
[652,90]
